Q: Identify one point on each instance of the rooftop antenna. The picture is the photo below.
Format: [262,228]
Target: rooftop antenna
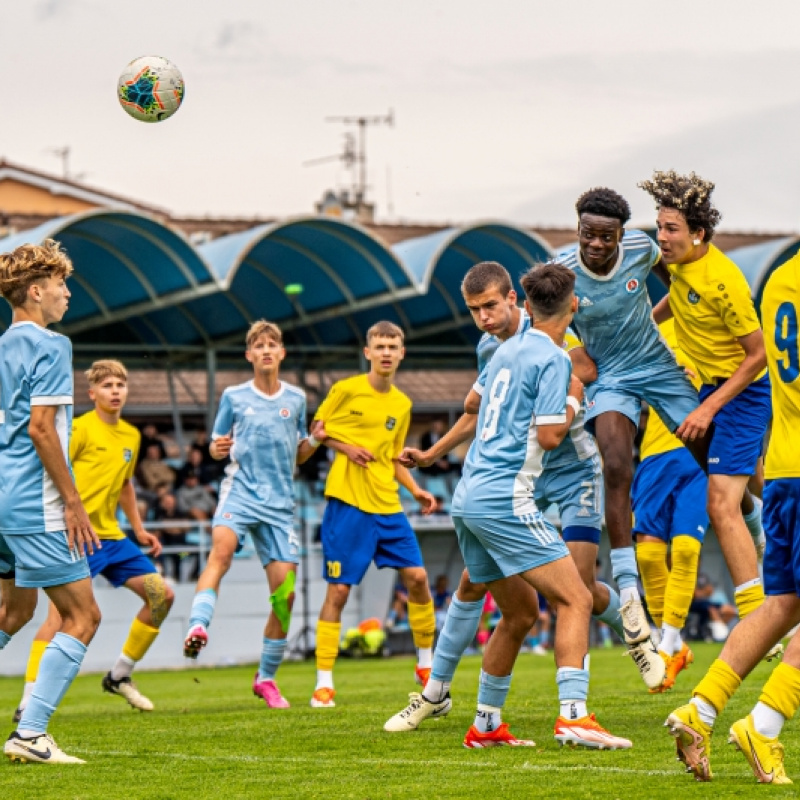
[63,154]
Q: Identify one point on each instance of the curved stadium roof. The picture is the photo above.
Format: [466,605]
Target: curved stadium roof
[138,282]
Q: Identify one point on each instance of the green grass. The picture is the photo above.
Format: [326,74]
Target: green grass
[209,737]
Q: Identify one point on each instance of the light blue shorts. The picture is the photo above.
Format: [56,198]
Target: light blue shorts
[272,542]
[577,491]
[495,549]
[666,389]
[40,560]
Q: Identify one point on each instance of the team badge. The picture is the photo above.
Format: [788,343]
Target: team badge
[127,454]
[632,285]
[693,297]
[285,413]
[227,515]
[390,423]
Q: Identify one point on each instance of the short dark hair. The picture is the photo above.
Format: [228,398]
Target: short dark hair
[549,289]
[604,203]
[483,276]
[690,194]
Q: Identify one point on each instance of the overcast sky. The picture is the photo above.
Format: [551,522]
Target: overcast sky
[506,109]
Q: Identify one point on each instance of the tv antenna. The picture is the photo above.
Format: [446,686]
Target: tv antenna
[354,153]
[63,153]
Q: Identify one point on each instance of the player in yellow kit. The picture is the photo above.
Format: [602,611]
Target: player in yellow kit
[366,419]
[757,734]
[103,451]
[717,328]
[668,497]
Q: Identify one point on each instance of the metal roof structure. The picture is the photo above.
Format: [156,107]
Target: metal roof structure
[323,280]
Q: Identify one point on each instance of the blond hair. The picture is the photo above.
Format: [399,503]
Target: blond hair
[385,329]
[106,368]
[30,264]
[260,328]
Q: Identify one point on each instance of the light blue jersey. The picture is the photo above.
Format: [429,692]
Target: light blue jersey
[527,382]
[35,370]
[488,344]
[266,430]
[615,318]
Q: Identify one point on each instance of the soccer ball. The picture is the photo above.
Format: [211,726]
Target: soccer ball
[150,89]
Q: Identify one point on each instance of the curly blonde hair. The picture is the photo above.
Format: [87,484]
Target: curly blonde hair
[30,264]
[689,194]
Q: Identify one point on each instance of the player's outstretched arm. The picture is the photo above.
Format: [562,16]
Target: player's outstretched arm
[308,446]
[220,447]
[127,502]
[551,436]
[43,433]
[583,367]
[463,429]
[662,311]
[425,499]
[358,455]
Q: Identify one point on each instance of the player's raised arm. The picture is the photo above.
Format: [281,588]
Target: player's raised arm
[425,499]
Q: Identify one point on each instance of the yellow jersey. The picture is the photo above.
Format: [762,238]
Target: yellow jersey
[780,312]
[711,303]
[103,457]
[657,439]
[354,413]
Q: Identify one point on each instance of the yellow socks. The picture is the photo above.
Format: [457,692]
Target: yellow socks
[748,599]
[682,580]
[422,621]
[719,685]
[782,690]
[140,637]
[37,651]
[328,634]
[652,558]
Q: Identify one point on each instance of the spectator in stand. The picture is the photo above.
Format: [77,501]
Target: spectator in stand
[398,613]
[428,439]
[166,512]
[153,471]
[716,612]
[151,436]
[441,599]
[194,466]
[194,500]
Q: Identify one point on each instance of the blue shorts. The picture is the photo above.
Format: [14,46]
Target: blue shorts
[739,427]
[495,549]
[272,542]
[781,516]
[577,490]
[666,389]
[352,539]
[41,560]
[669,496]
[118,561]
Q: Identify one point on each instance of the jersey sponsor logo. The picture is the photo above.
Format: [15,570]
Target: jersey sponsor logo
[356,413]
[390,423]
[713,461]
[632,285]
[693,297]
[585,302]
[127,454]
[285,413]
[249,412]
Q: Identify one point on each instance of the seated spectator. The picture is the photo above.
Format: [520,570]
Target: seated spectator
[428,439]
[398,612]
[153,471]
[714,610]
[151,436]
[166,511]
[490,616]
[442,596]
[194,500]
[194,466]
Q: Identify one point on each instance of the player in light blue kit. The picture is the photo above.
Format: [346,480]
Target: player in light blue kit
[526,412]
[44,528]
[615,323]
[261,425]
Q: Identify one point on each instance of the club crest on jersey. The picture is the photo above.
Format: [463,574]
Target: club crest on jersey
[693,297]
[390,423]
[632,285]
[127,454]
[285,413]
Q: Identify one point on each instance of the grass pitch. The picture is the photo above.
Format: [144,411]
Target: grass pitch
[209,737]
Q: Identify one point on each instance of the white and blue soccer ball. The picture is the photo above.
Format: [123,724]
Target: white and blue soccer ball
[150,89]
